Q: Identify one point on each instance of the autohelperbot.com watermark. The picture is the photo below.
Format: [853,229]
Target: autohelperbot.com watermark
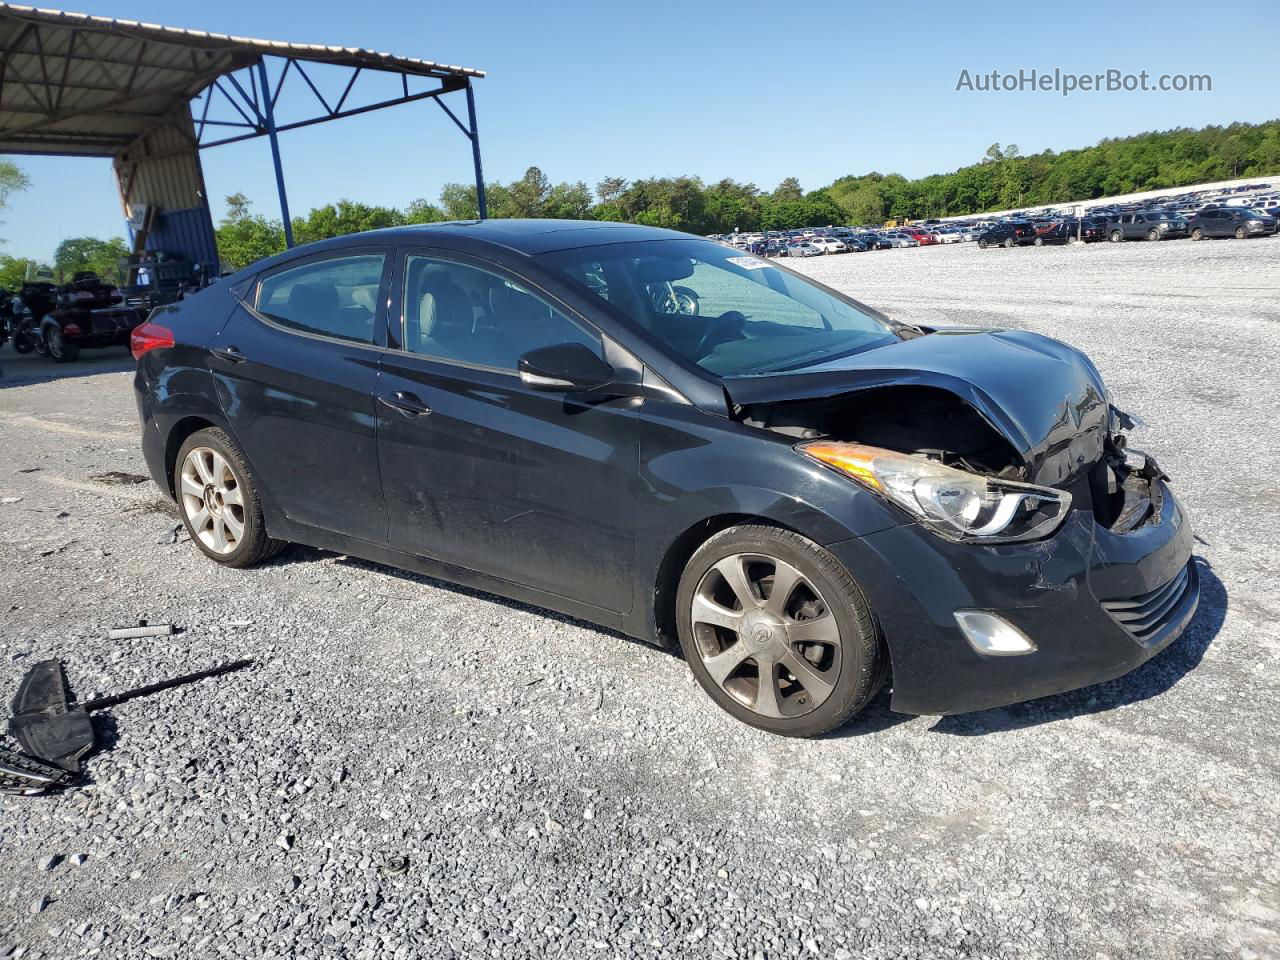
[1066,82]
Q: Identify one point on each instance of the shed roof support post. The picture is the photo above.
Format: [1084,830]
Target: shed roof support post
[269,120]
[482,206]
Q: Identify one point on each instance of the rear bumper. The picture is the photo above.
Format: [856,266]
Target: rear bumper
[1053,591]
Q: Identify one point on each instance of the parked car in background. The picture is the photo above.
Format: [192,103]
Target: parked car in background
[1149,225]
[803,249]
[1014,233]
[1238,222]
[1052,231]
[829,245]
[790,487]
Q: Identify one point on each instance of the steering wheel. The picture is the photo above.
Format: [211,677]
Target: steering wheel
[728,326]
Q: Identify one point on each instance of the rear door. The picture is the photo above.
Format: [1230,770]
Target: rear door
[296,367]
[480,471]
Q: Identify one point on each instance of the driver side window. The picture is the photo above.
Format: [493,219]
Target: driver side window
[457,312]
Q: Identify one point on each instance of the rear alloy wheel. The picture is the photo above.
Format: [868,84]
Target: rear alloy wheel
[1116,236]
[1241,233]
[1010,243]
[219,501]
[1197,234]
[58,347]
[1153,234]
[1039,241]
[777,632]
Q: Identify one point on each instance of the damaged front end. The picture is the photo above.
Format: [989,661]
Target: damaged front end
[1028,414]
[1039,554]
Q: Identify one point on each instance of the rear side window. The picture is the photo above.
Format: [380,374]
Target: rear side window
[454,311]
[336,297]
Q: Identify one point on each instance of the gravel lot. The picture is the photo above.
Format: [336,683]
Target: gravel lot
[414,770]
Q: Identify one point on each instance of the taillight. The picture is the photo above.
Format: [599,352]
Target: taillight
[71,330]
[148,336]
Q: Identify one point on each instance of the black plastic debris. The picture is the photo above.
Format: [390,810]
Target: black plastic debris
[57,733]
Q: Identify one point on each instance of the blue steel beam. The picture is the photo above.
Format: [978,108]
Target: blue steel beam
[481,205]
[269,119]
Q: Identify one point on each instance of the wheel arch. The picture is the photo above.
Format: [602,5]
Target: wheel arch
[672,564]
[177,436]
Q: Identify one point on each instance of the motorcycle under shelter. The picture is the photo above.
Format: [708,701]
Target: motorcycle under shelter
[152,97]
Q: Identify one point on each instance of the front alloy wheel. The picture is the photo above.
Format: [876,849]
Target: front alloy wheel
[1197,234]
[776,631]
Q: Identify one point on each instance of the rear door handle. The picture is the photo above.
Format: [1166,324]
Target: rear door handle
[407,403]
[229,354]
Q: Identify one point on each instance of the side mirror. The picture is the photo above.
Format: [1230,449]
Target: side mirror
[565,366]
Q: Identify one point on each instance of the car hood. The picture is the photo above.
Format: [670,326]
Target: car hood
[1046,398]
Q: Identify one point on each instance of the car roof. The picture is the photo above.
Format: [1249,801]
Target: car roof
[533,236]
[528,237]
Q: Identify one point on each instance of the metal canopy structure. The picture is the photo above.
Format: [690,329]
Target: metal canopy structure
[150,97]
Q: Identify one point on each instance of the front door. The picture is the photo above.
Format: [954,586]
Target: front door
[480,471]
[296,368]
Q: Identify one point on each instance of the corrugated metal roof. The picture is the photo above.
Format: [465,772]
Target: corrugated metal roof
[79,84]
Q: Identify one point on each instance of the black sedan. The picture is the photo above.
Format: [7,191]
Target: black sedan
[802,494]
[1011,234]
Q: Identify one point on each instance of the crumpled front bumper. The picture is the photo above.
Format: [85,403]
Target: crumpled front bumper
[1051,590]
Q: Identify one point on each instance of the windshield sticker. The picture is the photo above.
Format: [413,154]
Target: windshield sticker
[749,263]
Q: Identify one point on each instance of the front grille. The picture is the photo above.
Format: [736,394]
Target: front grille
[1145,615]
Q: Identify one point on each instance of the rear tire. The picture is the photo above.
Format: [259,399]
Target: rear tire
[218,500]
[1010,243]
[1197,234]
[818,644]
[1039,241]
[58,347]
[1116,236]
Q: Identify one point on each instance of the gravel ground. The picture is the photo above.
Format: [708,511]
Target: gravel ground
[414,770]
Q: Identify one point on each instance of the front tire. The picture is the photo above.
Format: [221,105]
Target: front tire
[1241,233]
[982,244]
[218,499]
[777,632]
[1153,234]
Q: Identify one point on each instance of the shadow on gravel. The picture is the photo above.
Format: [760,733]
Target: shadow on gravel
[297,553]
[1149,680]
[20,370]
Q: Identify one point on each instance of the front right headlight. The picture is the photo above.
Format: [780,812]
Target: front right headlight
[952,503]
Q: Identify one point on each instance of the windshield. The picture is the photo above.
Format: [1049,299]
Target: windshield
[730,314]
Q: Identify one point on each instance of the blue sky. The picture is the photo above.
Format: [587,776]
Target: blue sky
[751,90]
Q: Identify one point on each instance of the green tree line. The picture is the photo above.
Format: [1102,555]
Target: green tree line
[1002,179]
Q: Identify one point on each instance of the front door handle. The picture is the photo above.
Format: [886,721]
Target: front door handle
[229,354]
[406,402]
